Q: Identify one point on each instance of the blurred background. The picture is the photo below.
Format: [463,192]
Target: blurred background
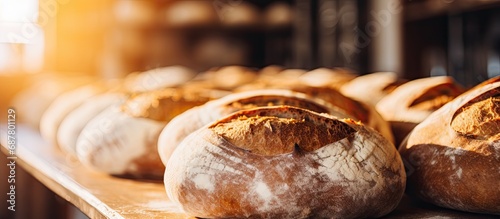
[113,38]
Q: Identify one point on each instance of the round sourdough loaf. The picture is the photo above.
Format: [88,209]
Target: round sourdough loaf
[285,162]
[122,140]
[195,118]
[453,157]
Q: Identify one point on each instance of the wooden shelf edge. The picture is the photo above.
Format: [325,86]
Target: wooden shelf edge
[62,186]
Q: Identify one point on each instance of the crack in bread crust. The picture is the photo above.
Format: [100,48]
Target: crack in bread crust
[246,131]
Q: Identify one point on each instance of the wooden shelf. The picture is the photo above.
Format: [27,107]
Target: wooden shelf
[102,196]
[95,194]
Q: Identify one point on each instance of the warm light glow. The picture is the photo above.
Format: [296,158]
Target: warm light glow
[18,10]
[21,38]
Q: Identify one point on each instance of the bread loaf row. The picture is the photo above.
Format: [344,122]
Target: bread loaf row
[237,142]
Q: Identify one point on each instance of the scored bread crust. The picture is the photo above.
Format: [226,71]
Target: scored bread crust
[359,174]
[197,117]
[453,156]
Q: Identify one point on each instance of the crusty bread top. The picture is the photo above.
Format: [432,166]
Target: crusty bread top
[480,118]
[291,130]
[162,105]
[417,99]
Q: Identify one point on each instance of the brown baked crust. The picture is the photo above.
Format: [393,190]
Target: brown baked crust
[453,157]
[287,132]
[355,109]
[123,139]
[412,102]
[358,175]
[195,118]
[163,105]
[417,99]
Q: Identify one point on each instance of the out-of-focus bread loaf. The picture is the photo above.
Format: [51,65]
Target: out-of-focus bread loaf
[285,162]
[195,118]
[122,140]
[73,124]
[190,13]
[410,103]
[64,104]
[32,102]
[371,88]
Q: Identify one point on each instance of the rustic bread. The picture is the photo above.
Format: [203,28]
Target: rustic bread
[64,104]
[122,140]
[76,108]
[197,117]
[325,77]
[371,88]
[453,157]
[285,162]
[231,77]
[410,103]
[73,124]
[355,109]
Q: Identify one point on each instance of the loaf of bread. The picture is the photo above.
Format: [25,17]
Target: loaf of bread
[355,109]
[73,124]
[190,13]
[325,77]
[122,140]
[64,104]
[68,114]
[231,77]
[371,88]
[410,103]
[285,162]
[453,157]
[197,117]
